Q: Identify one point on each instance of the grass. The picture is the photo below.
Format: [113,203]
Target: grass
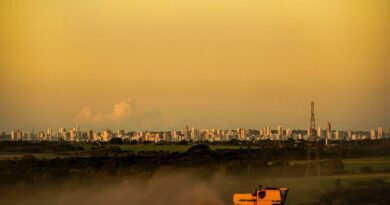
[354,165]
[302,189]
[376,163]
[168,148]
[11,156]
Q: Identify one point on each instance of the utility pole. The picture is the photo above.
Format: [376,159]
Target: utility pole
[312,146]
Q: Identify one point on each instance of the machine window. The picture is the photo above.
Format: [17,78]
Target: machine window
[261,194]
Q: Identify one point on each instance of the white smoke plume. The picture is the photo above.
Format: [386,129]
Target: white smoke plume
[121,111]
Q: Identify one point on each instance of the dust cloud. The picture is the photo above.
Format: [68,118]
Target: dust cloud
[174,189]
[170,186]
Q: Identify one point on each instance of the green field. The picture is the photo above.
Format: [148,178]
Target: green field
[134,148]
[354,165]
[376,163]
[302,189]
[168,148]
[171,148]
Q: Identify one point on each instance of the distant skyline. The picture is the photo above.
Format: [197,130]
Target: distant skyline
[159,65]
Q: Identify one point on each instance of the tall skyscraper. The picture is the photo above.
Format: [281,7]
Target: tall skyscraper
[336,135]
[49,131]
[288,132]
[106,135]
[77,129]
[329,131]
[372,134]
[349,135]
[280,131]
[380,132]
[72,134]
[90,135]
[268,130]
[186,130]
[319,132]
[194,134]
[242,134]
[121,133]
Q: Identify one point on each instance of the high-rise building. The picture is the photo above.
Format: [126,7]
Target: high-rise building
[90,135]
[372,134]
[387,133]
[96,136]
[242,134]
[319,132]
[62,133]
[121,133]
[280,131]
[262,133]
[380,132]
[268,130]
[349,135]
[106,136]
[49,132]
[41,135]
[288,132]
[329,131]
[175,137]
[195,134]
[186,130]
[72,134]
[19,135]
[336,135]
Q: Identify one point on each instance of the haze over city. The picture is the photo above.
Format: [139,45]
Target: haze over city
[160,65]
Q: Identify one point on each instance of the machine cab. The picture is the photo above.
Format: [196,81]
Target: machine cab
[262,196]
[271,196]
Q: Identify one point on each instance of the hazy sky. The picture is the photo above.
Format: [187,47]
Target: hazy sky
[161,64]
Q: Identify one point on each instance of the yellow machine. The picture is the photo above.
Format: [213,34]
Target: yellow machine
[262,196]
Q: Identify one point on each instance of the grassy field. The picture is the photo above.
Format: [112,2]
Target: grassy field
[134,148]
[302,189]
[376,163]
[168,148]
[355,165]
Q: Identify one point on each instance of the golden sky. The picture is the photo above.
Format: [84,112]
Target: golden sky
[161,64]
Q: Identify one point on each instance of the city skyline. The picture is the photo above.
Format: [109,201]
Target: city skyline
[158,65]
[193,134]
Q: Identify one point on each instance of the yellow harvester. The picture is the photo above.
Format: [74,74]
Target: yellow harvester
[262,196]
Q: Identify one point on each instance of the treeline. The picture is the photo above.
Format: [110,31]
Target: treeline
[290,149]
[38,147]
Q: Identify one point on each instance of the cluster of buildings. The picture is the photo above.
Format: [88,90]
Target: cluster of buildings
[194,134]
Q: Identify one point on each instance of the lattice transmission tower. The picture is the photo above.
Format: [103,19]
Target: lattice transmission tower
[312,160]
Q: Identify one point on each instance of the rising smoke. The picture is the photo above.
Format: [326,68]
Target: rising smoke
[123,114]
[121,111]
